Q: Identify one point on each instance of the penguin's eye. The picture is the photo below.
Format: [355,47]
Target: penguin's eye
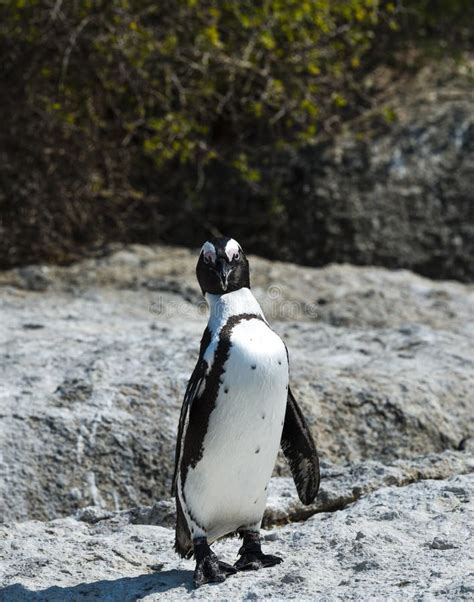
[236,255]
[208,252]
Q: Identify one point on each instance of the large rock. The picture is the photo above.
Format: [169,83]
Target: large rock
[398,543]
[95,359]
[395,192]
[344,485]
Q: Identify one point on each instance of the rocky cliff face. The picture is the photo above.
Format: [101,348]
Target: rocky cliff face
[95,359]
[394,192]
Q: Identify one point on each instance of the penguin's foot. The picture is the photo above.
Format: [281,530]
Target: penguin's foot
[253,562]
[251,556]
[209,569]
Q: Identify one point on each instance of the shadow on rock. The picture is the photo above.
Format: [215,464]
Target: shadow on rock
[127,589]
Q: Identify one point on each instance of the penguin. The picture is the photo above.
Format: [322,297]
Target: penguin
[237,411]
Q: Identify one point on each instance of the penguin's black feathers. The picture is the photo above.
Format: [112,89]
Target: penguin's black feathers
[300,452]
[193,387]
[183,543]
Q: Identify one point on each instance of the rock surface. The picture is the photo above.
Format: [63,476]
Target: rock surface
[94,362]
[95,359]
[398,543]
[394,191]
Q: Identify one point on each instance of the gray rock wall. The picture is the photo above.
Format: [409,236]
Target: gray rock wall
[396,194]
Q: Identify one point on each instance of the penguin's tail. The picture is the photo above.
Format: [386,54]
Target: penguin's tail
[183,543]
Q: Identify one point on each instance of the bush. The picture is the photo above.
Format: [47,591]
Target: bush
[121,115]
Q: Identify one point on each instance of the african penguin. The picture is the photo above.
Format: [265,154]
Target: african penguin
[237,411]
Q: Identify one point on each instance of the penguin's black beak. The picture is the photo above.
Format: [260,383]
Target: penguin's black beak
[223,270]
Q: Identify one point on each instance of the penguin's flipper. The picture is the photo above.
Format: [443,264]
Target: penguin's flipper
[192,391]
[299,449]
[183,543]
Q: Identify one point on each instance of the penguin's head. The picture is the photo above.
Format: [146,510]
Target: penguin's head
[222,267]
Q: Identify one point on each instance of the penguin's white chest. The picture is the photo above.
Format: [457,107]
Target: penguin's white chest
[227,487]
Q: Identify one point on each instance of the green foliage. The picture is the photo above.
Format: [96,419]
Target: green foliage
[135,103]
[193,81]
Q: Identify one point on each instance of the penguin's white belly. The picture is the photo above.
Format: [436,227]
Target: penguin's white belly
[227,489]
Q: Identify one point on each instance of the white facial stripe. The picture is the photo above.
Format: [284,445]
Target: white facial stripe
[232,248]
[208,251]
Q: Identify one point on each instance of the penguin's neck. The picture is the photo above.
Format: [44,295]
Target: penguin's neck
[222,307]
